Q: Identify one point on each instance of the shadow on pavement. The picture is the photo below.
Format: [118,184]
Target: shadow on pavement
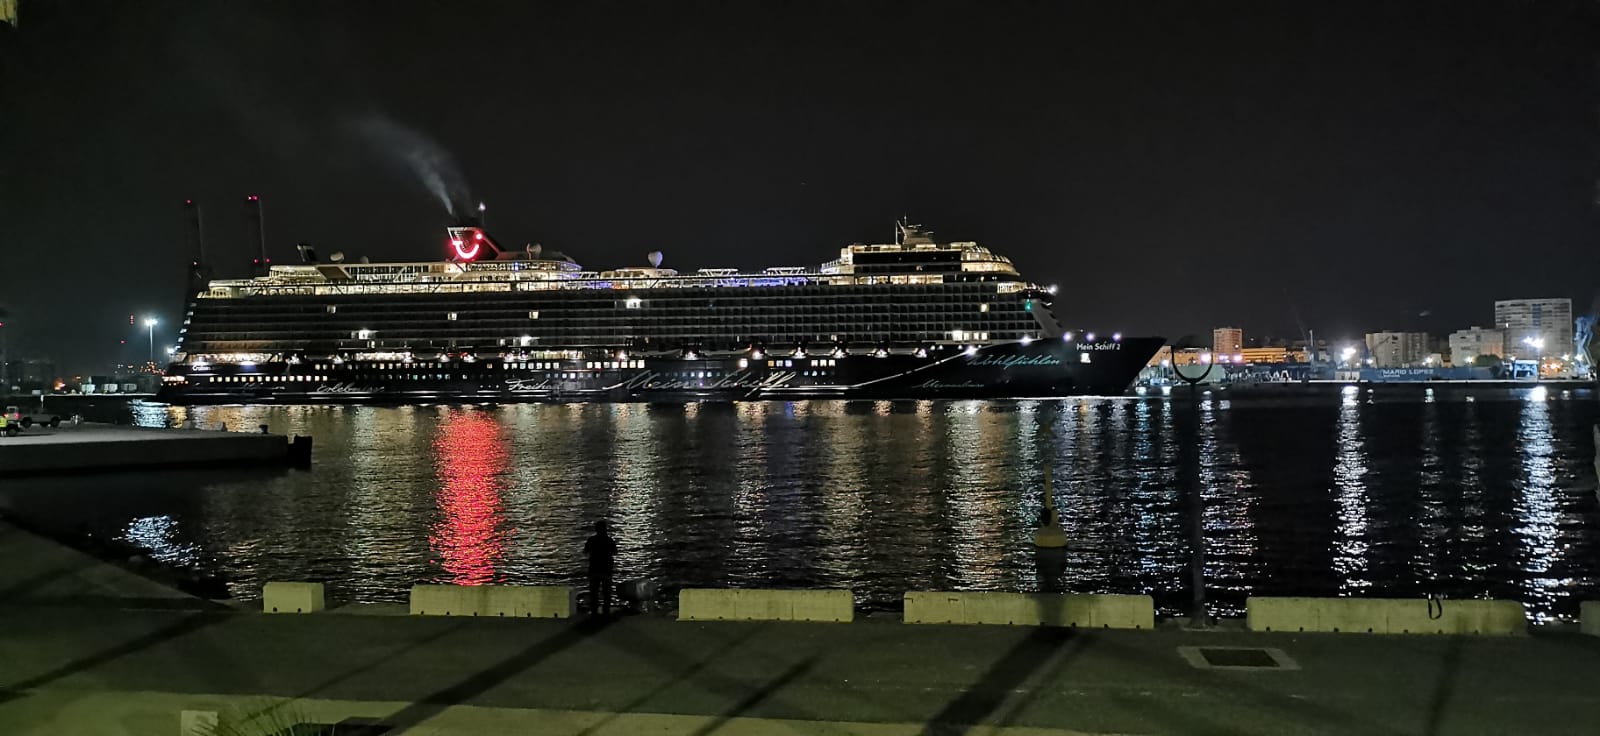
[1001,681]
[1449,669]
[317,689]
[435,703]
[186,625]
[694,670]
[755,698]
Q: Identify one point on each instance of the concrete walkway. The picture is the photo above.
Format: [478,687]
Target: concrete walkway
[39,571]
[67,667]
[944,677]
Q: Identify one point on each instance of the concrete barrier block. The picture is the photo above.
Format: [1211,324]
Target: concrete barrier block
[980,607]
[708,604]
[1282,614]
[448,600]
[833,604]
[1358,615]
[1385,616]
[1097,610]
[754,604]
[530,601]
[291,597]
[1487,617]
[934,608]
[1589,617]
[763,605]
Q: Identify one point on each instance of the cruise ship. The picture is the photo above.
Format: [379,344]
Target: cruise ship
[912,319]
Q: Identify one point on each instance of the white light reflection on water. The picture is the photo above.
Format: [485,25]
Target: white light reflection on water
[752,468]
[1230,533]
[634,485]
[1536,508]
[1431,531]
[894,496]
[159,535]
[977,509]
[842,490]
[1350,545]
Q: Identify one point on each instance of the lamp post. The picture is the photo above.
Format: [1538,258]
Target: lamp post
[150,324]
[1189,454]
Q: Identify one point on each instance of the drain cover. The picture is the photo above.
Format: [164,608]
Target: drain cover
[1238,658]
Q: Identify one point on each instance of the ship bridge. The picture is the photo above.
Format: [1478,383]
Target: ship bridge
[915,252]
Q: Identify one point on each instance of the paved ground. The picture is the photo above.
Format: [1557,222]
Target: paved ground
[37,571]
[70,668]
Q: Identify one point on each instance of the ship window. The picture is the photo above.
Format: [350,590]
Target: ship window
[533,314]
[333,309]
[984,307]
[451,316]
[1083,357]
[744,363]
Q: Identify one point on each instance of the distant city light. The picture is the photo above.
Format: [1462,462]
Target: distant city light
[1051,289]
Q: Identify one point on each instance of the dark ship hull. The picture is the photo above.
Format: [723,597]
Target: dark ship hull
[1041,368]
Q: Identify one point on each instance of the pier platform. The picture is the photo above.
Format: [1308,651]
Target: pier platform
[78,662]
[100,447]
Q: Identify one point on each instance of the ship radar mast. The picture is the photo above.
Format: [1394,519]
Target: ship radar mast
[905,233]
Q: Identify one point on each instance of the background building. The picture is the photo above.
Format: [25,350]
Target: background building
[1397,349]
[1526,320]
[1467,345]
[1227,341]
[1279,354]
[28,375]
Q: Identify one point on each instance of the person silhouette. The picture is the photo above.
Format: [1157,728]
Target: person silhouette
[602,552]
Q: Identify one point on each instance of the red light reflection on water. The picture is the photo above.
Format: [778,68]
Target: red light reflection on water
[471,458]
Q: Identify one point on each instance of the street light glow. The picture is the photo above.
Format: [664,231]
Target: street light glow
[150,322]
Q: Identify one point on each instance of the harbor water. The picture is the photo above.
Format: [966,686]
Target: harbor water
[1327,495]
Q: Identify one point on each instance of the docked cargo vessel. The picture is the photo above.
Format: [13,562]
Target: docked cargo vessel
[911,319]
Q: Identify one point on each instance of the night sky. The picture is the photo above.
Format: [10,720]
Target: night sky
[1173,166]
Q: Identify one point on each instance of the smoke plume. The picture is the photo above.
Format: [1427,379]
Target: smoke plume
[434,168]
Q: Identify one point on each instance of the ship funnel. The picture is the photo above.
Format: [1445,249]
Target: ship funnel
[471,243]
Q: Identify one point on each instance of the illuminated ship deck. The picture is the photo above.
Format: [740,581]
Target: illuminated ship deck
[492,322]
